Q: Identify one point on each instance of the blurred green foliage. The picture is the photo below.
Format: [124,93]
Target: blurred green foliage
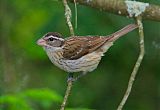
[24,65]
[30,99]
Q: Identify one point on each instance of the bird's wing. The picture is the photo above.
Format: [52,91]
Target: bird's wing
[76,47]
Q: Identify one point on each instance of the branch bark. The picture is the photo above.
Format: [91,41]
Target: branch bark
[68,90]
[136,66]
[68,15]
[119,7]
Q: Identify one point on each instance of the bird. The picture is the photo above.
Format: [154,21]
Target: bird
[79,53]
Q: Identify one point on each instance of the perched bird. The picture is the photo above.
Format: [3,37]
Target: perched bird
[79,53]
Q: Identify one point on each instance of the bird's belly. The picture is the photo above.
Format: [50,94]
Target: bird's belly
[86,63]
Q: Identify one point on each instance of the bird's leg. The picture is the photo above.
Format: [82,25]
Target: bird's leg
[79,76]
[70,77]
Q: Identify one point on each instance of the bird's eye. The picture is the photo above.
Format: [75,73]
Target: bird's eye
[51,39]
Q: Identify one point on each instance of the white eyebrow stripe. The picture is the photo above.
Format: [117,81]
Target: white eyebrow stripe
[57,38]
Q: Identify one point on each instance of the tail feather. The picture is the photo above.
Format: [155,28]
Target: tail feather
[122,32]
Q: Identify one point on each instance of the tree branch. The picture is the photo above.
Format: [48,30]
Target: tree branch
[119,7]
[137,65]
[68,15]
[69,87]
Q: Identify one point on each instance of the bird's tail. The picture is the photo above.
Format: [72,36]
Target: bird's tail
[122,32]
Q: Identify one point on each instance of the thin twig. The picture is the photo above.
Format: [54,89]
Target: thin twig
[75,8]
[69,87]
[137,65]
[68,16]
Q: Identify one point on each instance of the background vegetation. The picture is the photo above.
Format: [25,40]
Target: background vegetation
[29,81]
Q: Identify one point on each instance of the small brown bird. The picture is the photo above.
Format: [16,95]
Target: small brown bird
[79,53]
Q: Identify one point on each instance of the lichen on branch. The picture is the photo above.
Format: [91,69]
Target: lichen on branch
[135,8]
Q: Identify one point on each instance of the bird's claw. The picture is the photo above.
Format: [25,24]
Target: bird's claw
[71,79]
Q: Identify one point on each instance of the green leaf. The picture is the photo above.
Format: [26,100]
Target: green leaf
[45,97]
[14,102]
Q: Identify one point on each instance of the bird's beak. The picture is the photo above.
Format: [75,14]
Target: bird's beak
[41,42]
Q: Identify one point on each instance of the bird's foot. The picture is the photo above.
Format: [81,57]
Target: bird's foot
[70,78]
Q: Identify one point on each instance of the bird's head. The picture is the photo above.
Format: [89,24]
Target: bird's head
[51,40]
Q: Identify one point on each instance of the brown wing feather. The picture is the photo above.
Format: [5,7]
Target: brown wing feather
[96,42]
[76,47]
